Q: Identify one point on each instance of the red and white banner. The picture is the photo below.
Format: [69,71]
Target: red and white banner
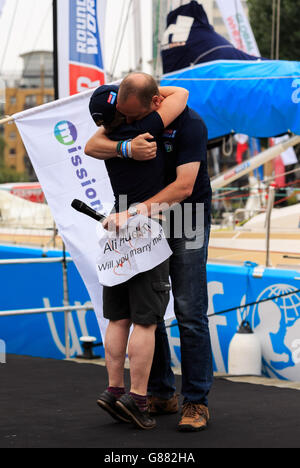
[238,26]
[80,36]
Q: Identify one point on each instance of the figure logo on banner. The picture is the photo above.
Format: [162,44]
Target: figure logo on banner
[277,324]
[65,133]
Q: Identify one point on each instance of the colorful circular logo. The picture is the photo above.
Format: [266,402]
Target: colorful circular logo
[65,133]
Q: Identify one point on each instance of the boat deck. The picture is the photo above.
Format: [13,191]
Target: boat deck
[52,404]
[225,246]
[242,246]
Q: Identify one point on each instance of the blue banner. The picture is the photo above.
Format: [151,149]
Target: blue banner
[85,47]
[274,316]
[35,286]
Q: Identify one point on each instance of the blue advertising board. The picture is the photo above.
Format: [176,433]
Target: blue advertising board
[274,313]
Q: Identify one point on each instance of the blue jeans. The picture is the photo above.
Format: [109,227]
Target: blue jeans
[189,286]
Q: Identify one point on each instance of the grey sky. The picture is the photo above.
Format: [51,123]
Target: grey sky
[32,30]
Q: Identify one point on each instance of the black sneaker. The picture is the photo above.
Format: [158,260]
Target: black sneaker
[141,419]
[107,401]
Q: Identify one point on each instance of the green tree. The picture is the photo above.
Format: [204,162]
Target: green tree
[8,174]
[260,12]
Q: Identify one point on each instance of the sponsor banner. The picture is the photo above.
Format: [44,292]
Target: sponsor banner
[275,321]
[238,26]
[80,33]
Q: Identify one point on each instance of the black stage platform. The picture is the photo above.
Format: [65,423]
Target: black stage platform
[46,403]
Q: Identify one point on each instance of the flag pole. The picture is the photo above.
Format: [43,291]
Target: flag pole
[7,119]
[64,262]
[55,53]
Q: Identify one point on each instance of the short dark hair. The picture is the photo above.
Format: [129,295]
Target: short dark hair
[145,90]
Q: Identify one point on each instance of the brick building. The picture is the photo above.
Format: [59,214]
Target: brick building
[33,88]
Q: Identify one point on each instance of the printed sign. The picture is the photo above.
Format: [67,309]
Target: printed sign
[140,246]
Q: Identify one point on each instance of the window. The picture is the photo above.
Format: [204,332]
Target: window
[12,152]
[30,101]
[48,98]
[12,135]
[13,100]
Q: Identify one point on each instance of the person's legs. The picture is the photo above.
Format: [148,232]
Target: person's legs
[162,379]
[149,297]
[116,310]
[140,353]
[116,339]
[189,285]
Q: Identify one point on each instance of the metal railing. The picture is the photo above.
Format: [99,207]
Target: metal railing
[66,309]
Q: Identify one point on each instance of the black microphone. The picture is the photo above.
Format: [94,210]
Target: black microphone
[87,210]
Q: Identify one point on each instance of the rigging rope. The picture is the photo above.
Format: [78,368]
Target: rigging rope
[9,35]
[38,35]
[116,42]
[122,37]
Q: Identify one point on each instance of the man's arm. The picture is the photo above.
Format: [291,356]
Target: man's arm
[101,147]
[173,103]
[174,193]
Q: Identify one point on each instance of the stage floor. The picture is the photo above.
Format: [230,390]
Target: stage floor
[52,404]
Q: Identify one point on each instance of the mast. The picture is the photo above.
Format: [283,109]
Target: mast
[138,44]
[160,13]
[55,53]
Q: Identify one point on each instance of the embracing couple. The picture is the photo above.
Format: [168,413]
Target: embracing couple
[155,150]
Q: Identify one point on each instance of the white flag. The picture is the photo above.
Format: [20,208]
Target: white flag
[238,26]
[2,2]
[55,135]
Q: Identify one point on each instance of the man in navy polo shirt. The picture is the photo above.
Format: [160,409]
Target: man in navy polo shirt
[187,183]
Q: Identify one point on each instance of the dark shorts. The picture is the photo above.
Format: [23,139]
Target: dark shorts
[143,299]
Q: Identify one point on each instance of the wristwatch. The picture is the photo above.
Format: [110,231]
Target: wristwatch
[133,211]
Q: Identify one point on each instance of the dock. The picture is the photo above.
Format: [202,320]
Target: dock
[48,403]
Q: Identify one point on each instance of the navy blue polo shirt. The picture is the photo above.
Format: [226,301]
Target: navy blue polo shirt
[185,141]
[138,180]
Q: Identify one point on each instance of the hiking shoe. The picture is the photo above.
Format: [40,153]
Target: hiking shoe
[161,406]
[141,419]
[195,417]
[107,401]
